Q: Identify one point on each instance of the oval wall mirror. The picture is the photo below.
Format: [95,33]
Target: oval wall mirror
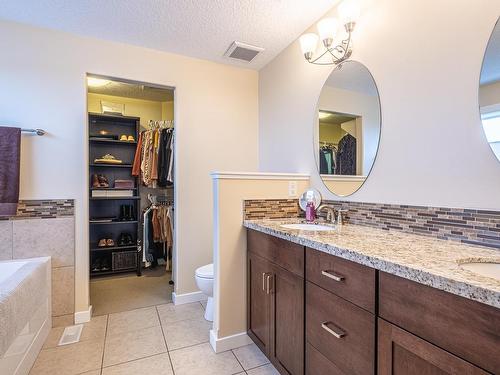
[348,128]
[489,92]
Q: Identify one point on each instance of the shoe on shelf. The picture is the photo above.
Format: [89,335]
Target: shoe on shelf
[130,212]
[122,239]
[123,137]
[103,181]
[105,265]
[131,138]
[95,181]
[107,159]
[102,243]
[130,240]
[110,242]
[96,265]
[123,212]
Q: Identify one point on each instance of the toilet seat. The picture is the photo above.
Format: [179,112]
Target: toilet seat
[205,272]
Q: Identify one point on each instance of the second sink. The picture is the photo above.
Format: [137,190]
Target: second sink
[488,269]
[309,227]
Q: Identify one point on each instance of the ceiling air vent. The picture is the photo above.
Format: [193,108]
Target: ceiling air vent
[242,51]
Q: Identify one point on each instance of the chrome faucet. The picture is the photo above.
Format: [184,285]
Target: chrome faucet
[330,212]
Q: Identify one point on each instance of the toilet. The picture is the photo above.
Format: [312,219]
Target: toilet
[204,277]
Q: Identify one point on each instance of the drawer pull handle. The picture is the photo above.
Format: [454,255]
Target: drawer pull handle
[268,286]
[338,334]
[332,276]
[264,281]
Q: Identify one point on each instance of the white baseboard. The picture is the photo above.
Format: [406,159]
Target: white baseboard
[223,344]
[83,316]
[181,299]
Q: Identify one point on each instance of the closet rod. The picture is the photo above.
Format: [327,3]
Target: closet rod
[39,132]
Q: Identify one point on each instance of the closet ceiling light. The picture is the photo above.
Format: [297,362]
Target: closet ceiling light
[327,28]
[323,115]
[97,82]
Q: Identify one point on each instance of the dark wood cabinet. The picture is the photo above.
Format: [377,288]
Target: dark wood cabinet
[402,353]
[287,332]
[344,318]
[466,328]
[259,302]
[276,301]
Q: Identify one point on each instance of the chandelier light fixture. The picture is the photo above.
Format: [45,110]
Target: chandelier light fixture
[327,29]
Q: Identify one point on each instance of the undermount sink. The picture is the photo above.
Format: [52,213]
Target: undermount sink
[310,227]
[488,269]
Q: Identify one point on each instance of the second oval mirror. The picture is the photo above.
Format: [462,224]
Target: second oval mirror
[348,128]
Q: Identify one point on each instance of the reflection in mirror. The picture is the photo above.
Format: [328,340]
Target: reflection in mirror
[348,129]
[489,92]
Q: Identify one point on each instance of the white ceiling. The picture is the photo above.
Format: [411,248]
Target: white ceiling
[353,76]
[491,66]
[134,91]
[197,28]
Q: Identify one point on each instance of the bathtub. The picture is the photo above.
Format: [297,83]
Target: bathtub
[25,312]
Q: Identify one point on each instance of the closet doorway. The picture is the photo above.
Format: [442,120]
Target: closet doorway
[131,193]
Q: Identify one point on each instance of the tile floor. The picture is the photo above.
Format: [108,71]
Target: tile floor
[126,292]
[158,340]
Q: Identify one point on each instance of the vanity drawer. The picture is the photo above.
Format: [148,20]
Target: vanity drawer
[466,328]
[349,280]
[285,254]
[343,332]
[318,364]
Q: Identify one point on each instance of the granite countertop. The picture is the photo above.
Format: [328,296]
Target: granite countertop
[426,260]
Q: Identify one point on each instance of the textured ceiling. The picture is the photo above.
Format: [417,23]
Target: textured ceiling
[491,66]
[197,28]
[134,91]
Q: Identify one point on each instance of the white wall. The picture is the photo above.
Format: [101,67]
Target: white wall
[42,84]
[426,58]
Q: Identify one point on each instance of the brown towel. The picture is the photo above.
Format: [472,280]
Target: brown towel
[10,155]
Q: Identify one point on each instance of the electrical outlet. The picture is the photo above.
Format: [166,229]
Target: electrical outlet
[292,188]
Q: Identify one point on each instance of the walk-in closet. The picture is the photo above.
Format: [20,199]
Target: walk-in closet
[131,143]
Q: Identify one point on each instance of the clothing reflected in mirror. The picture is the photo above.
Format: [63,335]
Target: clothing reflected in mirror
[348,128]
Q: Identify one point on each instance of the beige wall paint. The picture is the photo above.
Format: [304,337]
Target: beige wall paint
[429,97]
[342,185]
[43,85]
[167,111]
[145,109]
[230,243]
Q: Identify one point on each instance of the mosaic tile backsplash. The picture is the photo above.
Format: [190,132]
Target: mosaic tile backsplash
[475,227]
[43,209]
[271,209]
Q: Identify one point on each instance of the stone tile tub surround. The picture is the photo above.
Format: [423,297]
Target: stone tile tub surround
[426,260]
[469,226]
[34,236]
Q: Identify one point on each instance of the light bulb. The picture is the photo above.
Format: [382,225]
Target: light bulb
[327,28]
[349,11]
[97,82]
[308,43]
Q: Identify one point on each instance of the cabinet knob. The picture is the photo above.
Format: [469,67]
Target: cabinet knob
[332,276]
[338,333]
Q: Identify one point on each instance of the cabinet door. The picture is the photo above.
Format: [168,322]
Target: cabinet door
[259,301]
[401,353]
[287,322]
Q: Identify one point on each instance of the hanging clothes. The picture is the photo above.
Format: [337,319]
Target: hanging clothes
[327,156]
[346,156]
[154,161]
[165,158]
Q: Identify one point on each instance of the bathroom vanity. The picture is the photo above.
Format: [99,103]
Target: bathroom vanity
[358,300]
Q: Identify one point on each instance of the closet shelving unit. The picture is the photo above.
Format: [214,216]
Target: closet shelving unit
[113,259]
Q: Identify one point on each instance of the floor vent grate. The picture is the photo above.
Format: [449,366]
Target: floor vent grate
[71,335]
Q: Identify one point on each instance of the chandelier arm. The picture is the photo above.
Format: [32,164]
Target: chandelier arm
[319,57]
